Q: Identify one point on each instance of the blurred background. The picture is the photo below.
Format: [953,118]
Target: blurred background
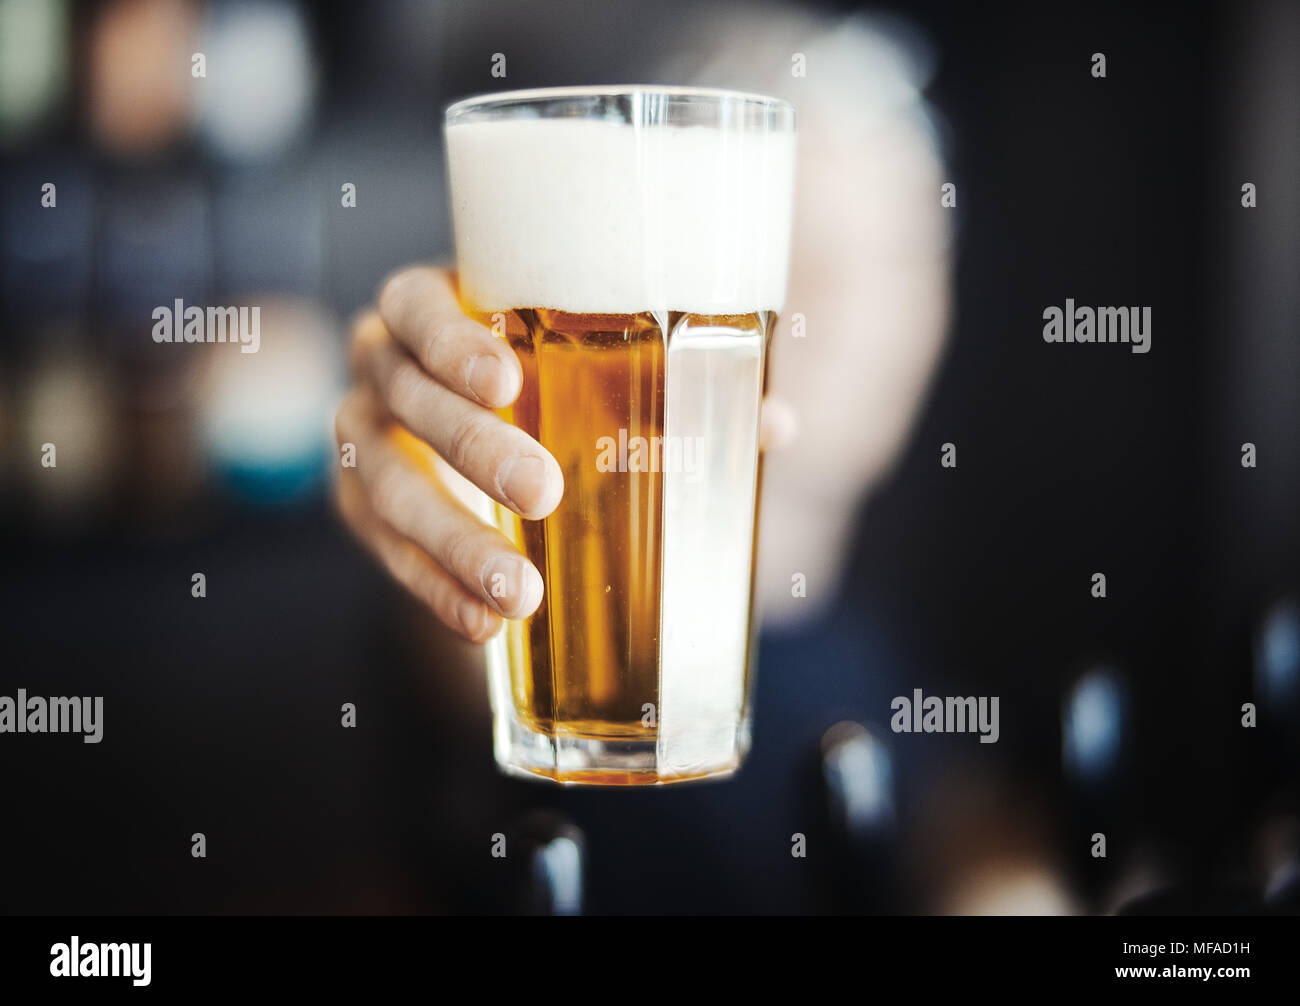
[1120,716]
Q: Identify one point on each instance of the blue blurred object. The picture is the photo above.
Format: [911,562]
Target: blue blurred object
[859,779]
[555,851]
[268,232]
[260,88]
[1093,726]
[46,250]
[286,481]
[155,246]
[267,417]
[1277,654]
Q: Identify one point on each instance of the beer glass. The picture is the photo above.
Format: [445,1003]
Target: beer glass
[631,244]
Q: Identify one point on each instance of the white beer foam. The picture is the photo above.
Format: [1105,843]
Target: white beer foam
[600,217]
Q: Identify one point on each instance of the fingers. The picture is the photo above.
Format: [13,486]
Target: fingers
[420,309]
[415,507]
[453,605]
[779,425]
[499,458]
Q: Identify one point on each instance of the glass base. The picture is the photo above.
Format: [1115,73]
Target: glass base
[572,760]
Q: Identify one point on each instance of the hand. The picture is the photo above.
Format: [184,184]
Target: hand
[424,370]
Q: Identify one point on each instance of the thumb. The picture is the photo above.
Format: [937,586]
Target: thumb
[779,426]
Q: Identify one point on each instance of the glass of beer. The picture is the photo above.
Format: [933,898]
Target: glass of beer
[631,244]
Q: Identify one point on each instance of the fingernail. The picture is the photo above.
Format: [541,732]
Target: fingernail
[513,586]
[490,380]
[521,479]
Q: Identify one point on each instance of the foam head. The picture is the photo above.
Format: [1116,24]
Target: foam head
[622,201]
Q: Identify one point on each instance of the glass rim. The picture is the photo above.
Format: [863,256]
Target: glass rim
[680,94]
